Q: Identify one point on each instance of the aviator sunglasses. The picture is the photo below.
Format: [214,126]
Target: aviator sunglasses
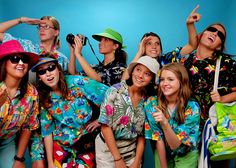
[16,59]
[50,68]
[219,33]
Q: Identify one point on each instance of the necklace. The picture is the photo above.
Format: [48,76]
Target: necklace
[171,110]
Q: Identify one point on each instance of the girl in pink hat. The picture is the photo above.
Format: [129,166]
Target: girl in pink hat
[18,103]
[48,31]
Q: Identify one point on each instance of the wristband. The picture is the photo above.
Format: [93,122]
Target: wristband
[117,159]
[19,20]
[20,159]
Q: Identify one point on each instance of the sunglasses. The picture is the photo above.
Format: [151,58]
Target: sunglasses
[45,27]
[50,68]
[16,59]
[219,33]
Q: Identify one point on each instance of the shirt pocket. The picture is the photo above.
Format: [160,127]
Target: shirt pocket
[15,121]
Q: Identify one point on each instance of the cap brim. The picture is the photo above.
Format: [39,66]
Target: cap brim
[34,68]
[107,35]
[131,67]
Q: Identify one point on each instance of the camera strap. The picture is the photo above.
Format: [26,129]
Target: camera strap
[93,51]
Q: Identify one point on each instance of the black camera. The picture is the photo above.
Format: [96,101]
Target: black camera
[70,38]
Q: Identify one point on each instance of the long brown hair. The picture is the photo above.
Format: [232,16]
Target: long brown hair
[24,80]
[184,91]
[56,26]
[44,90]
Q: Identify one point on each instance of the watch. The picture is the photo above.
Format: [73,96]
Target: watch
[20,159]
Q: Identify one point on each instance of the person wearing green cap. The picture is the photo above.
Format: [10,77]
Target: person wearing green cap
[110,70]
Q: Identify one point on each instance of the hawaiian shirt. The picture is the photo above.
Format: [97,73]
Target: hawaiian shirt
[110,73]
[117,112]
[187,132]
[36,48]
[67,119]
[170,57]
[201,75]
[18,113]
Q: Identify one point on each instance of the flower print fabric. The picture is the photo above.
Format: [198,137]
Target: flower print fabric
[187,132]
[18,113]
[110,73]
[117,112]
[201,75]
[67,119]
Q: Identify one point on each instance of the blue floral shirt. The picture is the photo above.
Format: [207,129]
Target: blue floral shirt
[118,113]
[67,119]
[187,132]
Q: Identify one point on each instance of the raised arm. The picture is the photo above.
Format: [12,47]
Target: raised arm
[72,61]
[90,72]
[141,51]
[192,33]
[4,26]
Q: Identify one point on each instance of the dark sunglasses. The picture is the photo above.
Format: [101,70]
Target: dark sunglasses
[16,59]
[50,68]
[219,33]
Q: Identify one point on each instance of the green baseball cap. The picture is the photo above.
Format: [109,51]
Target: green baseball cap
[111,34]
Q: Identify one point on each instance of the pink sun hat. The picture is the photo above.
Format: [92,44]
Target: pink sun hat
[13,47]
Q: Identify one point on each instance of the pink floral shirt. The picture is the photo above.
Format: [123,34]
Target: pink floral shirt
[118,113]
[16,113]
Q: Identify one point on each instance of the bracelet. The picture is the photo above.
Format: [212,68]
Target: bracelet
[20,159]
[117,159]
[19,20]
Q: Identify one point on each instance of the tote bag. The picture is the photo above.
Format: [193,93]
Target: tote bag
[223,144]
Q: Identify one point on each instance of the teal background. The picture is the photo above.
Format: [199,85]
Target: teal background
[132,18]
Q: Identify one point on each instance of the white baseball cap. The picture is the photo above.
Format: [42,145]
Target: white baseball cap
[148,62]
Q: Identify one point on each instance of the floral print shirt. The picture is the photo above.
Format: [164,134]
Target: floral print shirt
[67,119]
[201,75]
[110,73]
[187,132]
[118,113]
[170,57]
[36,48]
[18,113]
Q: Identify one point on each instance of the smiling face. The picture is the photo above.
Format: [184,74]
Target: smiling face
[141,76]
[16,68]
[169,84]
[49,74]
[153,47]
[213,37]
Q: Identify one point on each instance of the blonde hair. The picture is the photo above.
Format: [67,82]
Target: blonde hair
[184,91]
[56,26]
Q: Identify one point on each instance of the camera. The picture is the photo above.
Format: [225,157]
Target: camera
[70,38]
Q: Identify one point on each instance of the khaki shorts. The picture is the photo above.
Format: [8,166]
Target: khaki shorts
[104,158]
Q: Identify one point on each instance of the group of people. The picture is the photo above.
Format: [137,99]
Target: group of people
[164,98]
